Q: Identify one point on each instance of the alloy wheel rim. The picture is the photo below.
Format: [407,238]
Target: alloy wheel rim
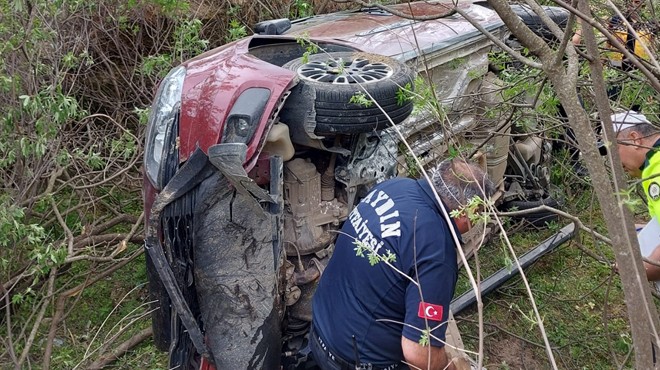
[345,71]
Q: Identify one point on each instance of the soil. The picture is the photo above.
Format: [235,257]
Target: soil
[511,353]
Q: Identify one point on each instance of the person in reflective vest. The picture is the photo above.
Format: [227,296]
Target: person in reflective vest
[638,143]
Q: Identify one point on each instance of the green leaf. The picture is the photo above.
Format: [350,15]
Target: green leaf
[424,339]
[25,99]
[361,99]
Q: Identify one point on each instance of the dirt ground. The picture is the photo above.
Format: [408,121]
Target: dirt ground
[511,353]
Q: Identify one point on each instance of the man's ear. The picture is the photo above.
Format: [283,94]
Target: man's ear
[636,139]
[631,138]
[462,223]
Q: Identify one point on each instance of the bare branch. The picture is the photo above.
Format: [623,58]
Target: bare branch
[401,14]
[106,359]
[613,40]
[498,42]
[37,321]
[574,219]
[10,340]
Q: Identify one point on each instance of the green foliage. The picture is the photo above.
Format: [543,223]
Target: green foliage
[47,112]
[374,258]
[566,280]
[411,165]
[156,65]
[187,40]
[45,257]
[142,114]
[75,78]
[474,211]
[524,85]
[424,339]
[71,60]
[236,30]
[361,99]
[631,89]
[20,237]
[457,63]
[15,230]
[91,157]
[630,198]
[499,59]
[310,47]
[301,9]
[170,8]
[404,94]
[125,146]
[424,98]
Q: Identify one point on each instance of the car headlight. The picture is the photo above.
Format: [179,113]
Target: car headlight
[244,117]
[160,118]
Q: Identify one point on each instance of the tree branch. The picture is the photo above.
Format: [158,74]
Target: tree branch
[613,40]
[107,358]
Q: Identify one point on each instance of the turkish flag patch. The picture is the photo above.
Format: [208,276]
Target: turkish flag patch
[430,311]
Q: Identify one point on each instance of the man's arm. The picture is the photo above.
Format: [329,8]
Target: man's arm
[652,271]
[417,355]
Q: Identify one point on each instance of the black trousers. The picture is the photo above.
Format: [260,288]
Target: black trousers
[327,360]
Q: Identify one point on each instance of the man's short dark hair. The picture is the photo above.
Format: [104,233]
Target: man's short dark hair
[457,181]
[644,129]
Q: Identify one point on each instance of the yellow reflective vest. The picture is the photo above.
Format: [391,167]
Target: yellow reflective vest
[651,180]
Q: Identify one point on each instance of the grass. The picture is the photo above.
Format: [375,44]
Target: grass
[580,299]
[117,305]
[576,296]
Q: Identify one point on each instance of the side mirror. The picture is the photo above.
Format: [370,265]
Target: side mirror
[273,27]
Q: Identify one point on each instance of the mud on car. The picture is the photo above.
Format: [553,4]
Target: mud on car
[257,151]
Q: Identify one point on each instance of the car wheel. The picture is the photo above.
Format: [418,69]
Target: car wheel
[534,22]
[236,278]
[328,81]
[536,218]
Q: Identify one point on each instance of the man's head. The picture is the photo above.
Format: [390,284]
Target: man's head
[635,136]
[458,181]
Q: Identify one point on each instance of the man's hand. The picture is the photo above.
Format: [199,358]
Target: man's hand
[418,356]
[652,271]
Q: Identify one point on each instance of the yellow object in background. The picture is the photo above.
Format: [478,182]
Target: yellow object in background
[646,38]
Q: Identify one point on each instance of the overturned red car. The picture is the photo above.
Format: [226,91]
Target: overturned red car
[257,151]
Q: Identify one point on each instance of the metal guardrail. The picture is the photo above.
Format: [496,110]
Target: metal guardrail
[500,277]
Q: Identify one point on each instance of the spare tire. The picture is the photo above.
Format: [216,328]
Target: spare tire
[534,22]
[328,81]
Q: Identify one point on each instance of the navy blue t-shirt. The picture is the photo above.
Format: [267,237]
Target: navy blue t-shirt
[371,303]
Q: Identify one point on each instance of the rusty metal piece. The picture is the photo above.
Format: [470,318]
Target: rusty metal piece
[292,296]
[302,309]
[260,173]
[308,220]
[306,276]
[328,180]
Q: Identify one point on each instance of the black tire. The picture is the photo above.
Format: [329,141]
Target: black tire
[237,283]
[161,314]
[538,218]
[325,89]
[534,22]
